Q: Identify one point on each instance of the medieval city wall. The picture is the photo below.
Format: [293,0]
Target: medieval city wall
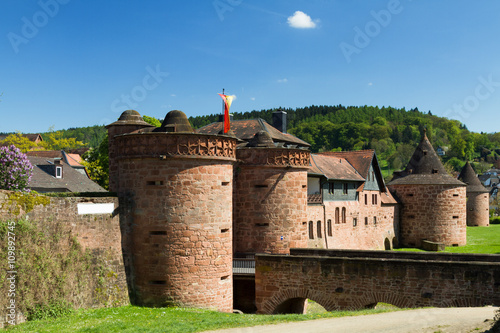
[436,213]
[340,283]
[48,230]
[179,188]
[270,200]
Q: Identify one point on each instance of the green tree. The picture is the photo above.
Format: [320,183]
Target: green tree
[18,140]
[55,140]
[152,121]
[97,163]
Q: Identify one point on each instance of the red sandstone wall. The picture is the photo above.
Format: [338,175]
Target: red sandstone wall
[370,236]
[270,209]
[478,209]
[112,152]
[436,213]
[316,213]
[99,234]
[356,283]
[182,230]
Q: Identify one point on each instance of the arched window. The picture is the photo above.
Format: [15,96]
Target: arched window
[337,215]
[329,225]
[319,229]
[311,230]
[343,215]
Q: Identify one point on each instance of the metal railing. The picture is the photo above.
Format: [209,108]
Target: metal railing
[243,266]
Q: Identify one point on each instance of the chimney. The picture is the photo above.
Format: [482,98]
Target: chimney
[221,117]
[279,121]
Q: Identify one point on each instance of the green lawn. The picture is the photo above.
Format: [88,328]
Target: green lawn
[178,320]
[479,240]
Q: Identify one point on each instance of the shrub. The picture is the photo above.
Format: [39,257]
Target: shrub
[494,220]
[15,169]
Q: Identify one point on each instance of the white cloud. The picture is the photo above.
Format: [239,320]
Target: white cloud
[252,98]
[301,20]
[173,95]
[285,80]
[370,83]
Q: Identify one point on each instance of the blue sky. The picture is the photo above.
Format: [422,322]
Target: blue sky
[74,63]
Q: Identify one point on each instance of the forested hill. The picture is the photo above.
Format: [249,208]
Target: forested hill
[393,133]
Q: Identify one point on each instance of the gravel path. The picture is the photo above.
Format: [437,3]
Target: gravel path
[442,320]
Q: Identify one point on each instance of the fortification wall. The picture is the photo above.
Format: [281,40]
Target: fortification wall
[179,188]
[84,230]
[478,209]
[436,213]
[339,283]
[270,200]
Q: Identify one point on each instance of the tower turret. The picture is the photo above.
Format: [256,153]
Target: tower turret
[478,198]
[179,188]
[433,202]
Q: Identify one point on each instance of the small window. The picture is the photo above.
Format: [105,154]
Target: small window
[366,220]
[58,172]
[374,220]
[346,188]
[319,229]
[366,199]
[331,188]
[329,226]
[311,230]
[374,199]
[343,215]
[337,215]
[354,222]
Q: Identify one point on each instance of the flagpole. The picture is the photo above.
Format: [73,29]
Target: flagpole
[223,106]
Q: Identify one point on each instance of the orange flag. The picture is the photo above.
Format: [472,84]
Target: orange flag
[227,104]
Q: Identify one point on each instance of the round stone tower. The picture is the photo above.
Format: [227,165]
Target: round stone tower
[478,198]
[270,197]
[129,121]
[179,187]
[433,202]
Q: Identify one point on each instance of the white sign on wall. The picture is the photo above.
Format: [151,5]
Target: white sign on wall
[95,208]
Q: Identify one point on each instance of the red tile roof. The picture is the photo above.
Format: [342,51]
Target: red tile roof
[359,159]
[246,130]
[333,167]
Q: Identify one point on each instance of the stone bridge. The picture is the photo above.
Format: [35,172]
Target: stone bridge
[351,279]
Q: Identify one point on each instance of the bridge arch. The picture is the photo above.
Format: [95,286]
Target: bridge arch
[293,301]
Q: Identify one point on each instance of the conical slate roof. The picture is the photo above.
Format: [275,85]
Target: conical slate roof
[424,167]
[468,176]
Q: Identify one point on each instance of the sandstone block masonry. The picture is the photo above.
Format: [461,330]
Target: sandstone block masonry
[179,189]
[98,235]
[436,213]
[357,280]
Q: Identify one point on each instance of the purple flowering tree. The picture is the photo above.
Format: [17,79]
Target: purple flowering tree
[15,169]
